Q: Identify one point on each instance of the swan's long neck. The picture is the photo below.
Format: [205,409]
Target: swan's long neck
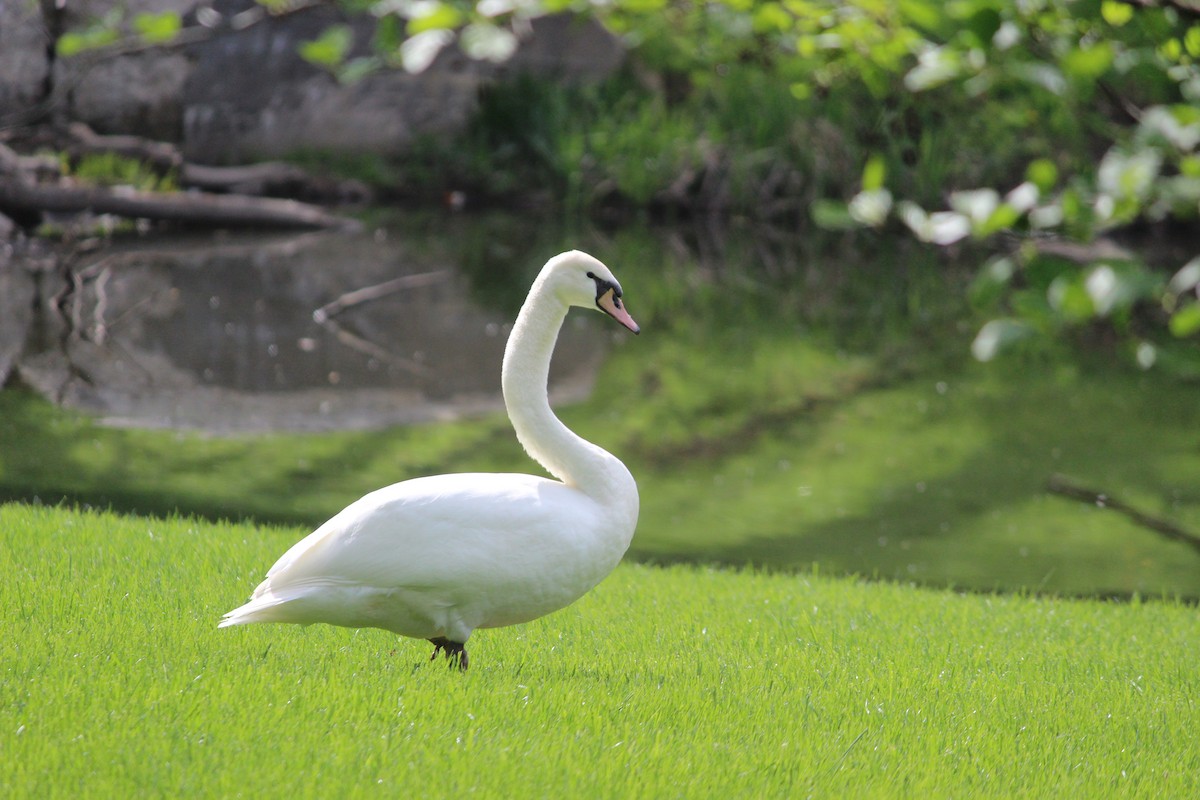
[567,456]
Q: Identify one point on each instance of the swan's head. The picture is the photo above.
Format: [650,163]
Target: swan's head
[581,280]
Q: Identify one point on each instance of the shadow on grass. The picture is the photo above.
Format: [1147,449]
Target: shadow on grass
[54,457]
[988,523]
[971,514]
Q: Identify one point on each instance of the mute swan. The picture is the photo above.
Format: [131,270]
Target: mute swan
[437,557]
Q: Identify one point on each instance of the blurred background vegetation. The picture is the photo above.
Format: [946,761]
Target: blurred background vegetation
[942,120]
[1011,121]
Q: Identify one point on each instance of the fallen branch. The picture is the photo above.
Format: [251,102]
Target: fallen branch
[273,179]
[195,208]
[1064,486]
[368,293]
[264,179]
[160,156]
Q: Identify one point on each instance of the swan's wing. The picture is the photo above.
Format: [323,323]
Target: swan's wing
[389,507]
[445,531]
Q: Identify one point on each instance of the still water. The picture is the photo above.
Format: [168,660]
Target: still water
[253,333]
[792,401]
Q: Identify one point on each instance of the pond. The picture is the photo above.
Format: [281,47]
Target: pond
[255,333]
[794,402]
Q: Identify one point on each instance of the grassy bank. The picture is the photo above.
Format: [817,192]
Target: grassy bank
[662,682]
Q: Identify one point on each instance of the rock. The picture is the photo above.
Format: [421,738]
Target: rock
[24,64]
[140,93]
[242,95]
[251,96]
[16,311]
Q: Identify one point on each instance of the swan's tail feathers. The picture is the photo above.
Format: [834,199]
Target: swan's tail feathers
[300,603]
[260,609]
[265,605]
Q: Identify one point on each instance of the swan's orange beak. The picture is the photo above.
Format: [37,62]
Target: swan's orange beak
[611,304]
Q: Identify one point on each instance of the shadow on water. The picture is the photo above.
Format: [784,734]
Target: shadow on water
[793,400]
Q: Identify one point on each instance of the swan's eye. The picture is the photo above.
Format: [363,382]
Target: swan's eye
[608,300]
[604,286]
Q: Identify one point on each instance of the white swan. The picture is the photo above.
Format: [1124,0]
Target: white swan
[437,557]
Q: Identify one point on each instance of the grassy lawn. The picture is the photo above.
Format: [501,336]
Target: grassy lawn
[663,682]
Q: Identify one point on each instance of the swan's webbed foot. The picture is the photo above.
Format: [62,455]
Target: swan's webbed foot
[456,652]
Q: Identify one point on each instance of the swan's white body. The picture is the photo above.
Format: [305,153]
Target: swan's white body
[437,557]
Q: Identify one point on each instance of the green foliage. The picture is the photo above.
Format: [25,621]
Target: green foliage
[157,28]
[658,683]
[100,33]
[146,28]
[1096,106]
[111,169]
[1147,172]
[330,48]
[1049,294]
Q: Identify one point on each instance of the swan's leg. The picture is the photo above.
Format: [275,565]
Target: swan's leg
[456,652]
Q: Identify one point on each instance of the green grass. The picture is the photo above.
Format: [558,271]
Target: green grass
[769,451]
[676,682]
[945,482]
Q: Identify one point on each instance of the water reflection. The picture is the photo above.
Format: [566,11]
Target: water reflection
[310,332]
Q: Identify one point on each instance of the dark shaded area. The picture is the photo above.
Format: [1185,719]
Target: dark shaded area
[1033,431]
